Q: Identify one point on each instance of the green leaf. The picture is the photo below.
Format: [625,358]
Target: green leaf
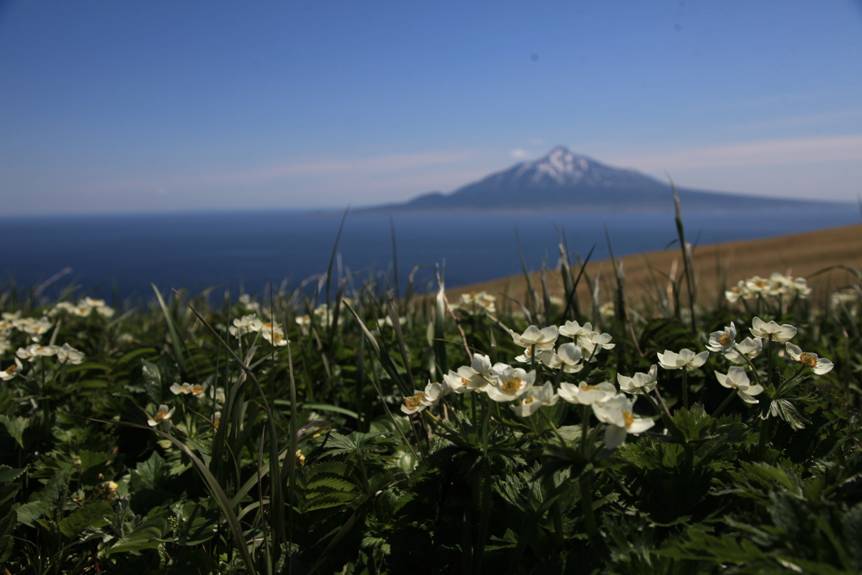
[149,534]
[92,516]
[148,474]
[8,474]
[31,511]
[15,427]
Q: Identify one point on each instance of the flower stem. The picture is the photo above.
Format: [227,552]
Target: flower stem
[685,388]
[586,484]
[723,405]
[770,352]
[586,480]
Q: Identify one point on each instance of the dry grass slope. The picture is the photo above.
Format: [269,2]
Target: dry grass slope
[716,265]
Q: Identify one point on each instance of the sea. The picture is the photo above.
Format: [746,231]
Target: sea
[119,256]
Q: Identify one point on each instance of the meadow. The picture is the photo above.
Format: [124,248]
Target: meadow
[348,427]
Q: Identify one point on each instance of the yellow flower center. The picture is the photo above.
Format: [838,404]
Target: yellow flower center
[414,401]
[11,369]
[511,385]
[628,418]
[465,381]
[809,359]
[725,339]
[529,399]
[587,387]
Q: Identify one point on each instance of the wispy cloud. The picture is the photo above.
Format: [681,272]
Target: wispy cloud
[519,154]
[340,170]
[369,165]
[752,153]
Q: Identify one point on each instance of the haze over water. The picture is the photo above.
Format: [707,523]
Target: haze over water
[118,256]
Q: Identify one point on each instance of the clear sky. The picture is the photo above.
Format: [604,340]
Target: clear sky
[176,105]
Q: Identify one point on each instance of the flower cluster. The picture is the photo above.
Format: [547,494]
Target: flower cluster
[84,308]
[476,303]
[65,354]
[197,390]
[503,383]
[35,328]
[776,286]
[741,353]
[270,331]
[571,356]
[611,405]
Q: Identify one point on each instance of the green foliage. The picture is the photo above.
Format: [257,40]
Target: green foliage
[297,458]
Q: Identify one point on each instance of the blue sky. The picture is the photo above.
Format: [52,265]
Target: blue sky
[127,106]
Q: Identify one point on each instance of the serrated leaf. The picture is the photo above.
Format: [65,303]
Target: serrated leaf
[15,427]
[92,516]
[29,512]
[149,534]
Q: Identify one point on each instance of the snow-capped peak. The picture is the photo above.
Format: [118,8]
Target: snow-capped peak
[560,165]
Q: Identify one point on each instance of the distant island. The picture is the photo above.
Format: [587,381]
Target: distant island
[564,180]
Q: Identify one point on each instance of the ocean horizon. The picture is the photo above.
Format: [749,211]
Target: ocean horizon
[118,255]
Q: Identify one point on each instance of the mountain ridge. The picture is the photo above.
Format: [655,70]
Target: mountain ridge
[562,179]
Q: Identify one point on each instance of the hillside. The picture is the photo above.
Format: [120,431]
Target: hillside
[801,254]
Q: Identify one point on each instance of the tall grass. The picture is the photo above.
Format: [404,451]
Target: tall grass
[298,456]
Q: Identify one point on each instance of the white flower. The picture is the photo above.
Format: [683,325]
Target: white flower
[245,324]
[98,305]
[414,403]
[618,413]
[163,413]
[607,310]
[586,337]
[463,380]
[722,340]
[819,365]
[196,390]
[736,378]
[573,329]
[586,394]
[434,392]
[249,304]
[35,328]
[546,357]
[34,351]
[476,303]
[509,383]
[570,357]
[304,322]
[777,285]
[84,308]
[734,294]
[539,338]
[749,348]
[685,359]
[70,355]
[772,331]
[11,371]
[273,333]
[593,340]
[482,365]
[537,396]
[640,382]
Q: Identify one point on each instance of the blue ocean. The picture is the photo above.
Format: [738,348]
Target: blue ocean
[118,256]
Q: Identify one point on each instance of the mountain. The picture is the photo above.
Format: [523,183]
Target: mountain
[562,179]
